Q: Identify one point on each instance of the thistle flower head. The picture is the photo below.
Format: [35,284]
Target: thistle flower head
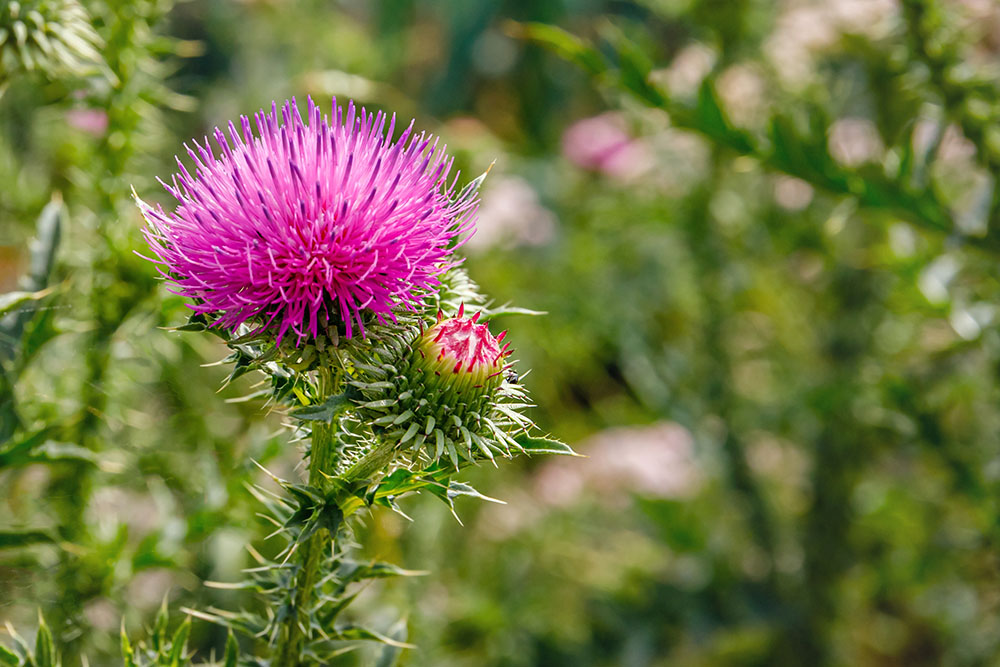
[310,222]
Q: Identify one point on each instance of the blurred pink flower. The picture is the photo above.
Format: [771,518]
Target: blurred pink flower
[601,143]
[91,121]
[655,461]
[511,215]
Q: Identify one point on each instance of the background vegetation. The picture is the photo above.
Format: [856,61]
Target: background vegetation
[765,234]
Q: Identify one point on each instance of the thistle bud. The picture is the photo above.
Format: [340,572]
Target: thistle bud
[452,396]
[464,353]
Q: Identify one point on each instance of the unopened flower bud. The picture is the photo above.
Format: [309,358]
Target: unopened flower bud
[465,353]
[452,396]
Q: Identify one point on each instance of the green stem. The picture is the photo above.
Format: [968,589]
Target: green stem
[322,455]
[295,628]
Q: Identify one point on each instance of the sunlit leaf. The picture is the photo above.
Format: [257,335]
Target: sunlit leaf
[13,301]
[566,44]
[354,633]
[534,445]
[8,657]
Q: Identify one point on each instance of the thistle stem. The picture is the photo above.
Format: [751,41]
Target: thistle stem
[294,628]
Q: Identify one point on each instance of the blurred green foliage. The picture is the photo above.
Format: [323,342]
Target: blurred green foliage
[768,258]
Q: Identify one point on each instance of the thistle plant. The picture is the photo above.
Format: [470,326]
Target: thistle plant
[322,252]
[49,36]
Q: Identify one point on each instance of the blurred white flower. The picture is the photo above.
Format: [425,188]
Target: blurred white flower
[803,30]
[511,215]
[687,70]
[854,141]
[954,146]
[682,161]
[101,614]
[147,588]
[935,279]
[798,34]
[871,18]
[742,90]
[110,506]
[792,194]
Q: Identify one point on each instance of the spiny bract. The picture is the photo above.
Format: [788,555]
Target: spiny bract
[448,394]
[50,36]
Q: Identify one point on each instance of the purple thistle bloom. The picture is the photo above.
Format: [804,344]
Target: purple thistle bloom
[309,219]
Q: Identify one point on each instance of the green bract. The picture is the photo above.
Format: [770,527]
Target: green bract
[48,36]
[437,398]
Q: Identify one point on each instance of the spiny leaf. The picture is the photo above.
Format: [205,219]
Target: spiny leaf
[714,123]
[8,657]
[354,633]
[325,411]
[45,648]
[245,623]
[12,301]
[473,186]
[61,451]
[407,481]
[507,309]
[179,642]
[532,445]
[191,326]
[232,655]
[199,322]
[159,636]
[42,259]
[447,495]
[356,571]
[128,653]
[390,654]
[456,489]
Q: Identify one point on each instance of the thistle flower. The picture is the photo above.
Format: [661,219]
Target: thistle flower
[310,223]
[455,394]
